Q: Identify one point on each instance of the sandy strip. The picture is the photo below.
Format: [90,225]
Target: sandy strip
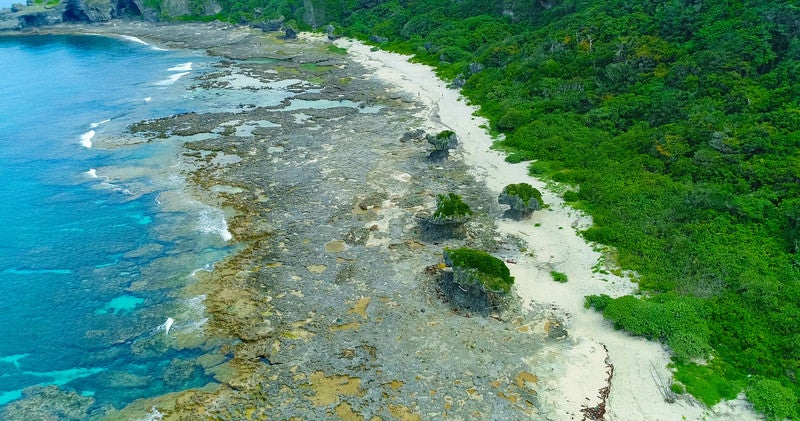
[640,370]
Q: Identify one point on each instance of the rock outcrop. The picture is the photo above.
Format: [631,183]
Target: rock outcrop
[32,14]
[476,281]
[522,198]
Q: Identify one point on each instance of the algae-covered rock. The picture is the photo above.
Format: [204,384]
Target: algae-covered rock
[447,220]
[477,281]
[522,198]
[48,403]
[450,209]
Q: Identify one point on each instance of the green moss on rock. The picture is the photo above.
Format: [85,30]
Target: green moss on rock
[522,198]
[490,271]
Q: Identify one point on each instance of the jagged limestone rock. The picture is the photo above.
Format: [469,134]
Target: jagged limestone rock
[443,141]
[476,281]
[47,403]
[522,198]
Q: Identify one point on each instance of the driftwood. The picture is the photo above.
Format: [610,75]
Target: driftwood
[598,411]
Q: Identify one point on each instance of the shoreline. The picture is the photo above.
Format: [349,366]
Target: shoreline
[579,366]
[639,366]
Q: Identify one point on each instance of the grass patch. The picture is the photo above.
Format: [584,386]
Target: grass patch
[710,384]
[559,276]
[337,50]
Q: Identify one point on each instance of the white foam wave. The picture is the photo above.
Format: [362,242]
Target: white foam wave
[212,221]
[166,326]
[172,79]
[153,415]
[96,124]
[148,99]
[185,67]
[116,188]
[86,139]
[207,268]
[133,39]
[92,173]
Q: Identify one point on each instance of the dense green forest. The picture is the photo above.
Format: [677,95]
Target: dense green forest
[675,125]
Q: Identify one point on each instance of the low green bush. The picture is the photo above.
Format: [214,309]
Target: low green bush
[451,207]
[558,276]
[776,401]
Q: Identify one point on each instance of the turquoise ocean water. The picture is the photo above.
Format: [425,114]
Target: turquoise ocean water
[96,243]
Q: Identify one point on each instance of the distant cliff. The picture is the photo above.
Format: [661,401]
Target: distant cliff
[40,12]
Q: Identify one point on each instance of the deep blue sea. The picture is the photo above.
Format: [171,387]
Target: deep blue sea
[96,243]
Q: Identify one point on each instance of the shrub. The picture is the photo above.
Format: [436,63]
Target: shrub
[598,302]
[678,321]
[451,208]
[513,119]
[773,399]
[559,276]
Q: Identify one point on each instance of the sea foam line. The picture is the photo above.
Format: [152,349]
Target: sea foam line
[86,139]
[185,67]
[133,39]
[95,125]
[172,79]
[212,221]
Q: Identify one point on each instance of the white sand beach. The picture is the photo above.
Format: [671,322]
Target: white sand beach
[640,370]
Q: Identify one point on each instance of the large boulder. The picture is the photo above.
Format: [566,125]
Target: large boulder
[522,198]
[447,220]
[442,143]
[477,281]
[443,140]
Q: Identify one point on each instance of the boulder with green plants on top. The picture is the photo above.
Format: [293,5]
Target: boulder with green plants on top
[442,143]
[522,198]
[450,210]
[447,220]
[477,281]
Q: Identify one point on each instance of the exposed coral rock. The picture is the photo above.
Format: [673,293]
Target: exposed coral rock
[48,403]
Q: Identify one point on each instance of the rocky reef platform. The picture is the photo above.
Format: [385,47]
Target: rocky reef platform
[333,308]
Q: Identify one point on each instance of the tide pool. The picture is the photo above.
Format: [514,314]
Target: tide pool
[92,265]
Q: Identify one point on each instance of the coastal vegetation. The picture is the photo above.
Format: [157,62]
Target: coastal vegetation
[451,209]
[675,123]
[559,276]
